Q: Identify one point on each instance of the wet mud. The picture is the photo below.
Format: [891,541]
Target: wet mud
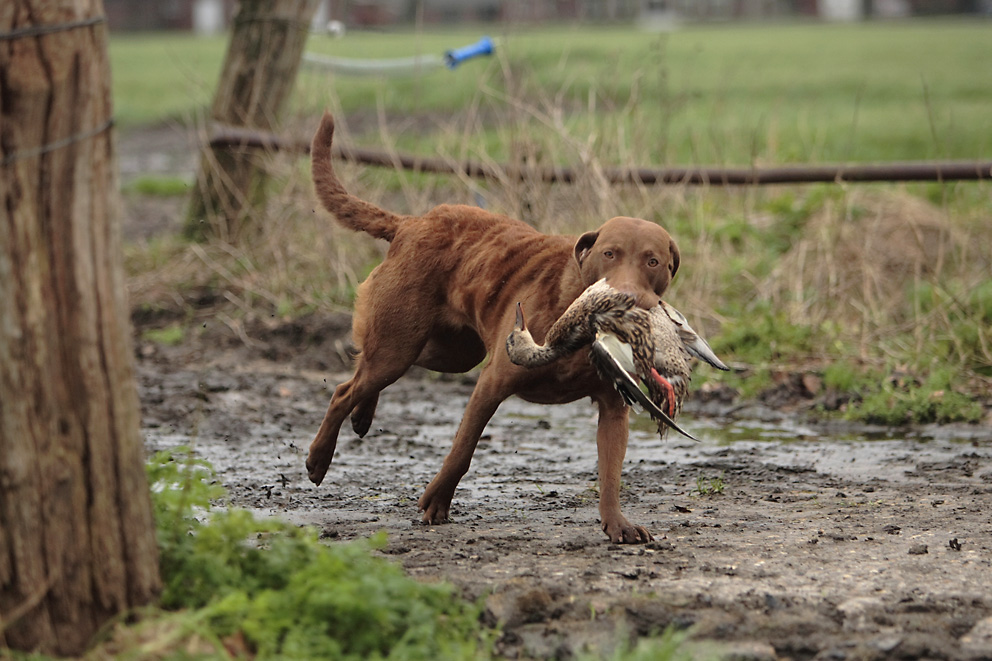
[774,537]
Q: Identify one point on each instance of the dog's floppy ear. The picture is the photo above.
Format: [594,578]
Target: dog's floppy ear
[583,245]
[676,258]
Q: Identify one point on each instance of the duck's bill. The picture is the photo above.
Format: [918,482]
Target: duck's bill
[521,325]
[700,349]
[693,342]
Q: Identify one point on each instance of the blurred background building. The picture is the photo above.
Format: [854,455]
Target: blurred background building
[211,16]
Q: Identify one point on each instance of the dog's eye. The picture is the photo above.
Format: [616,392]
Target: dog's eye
[608,254]
[653,262]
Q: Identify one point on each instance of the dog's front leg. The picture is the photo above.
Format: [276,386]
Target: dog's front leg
[489,392]
[611,442]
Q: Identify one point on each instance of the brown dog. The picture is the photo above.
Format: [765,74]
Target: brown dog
[445,297]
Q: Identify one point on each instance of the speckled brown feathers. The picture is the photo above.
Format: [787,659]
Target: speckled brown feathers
[629,345]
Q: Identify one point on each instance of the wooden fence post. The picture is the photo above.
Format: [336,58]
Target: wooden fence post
[258,75]
[77,540]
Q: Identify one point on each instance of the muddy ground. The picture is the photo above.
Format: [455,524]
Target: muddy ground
[777,537]
[774,537]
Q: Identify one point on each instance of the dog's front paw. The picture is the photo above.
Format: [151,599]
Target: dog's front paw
[622,531]
[432,518]
[434,505]
[434,514]
[317,468]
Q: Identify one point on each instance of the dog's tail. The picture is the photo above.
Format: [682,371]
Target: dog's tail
[350,211]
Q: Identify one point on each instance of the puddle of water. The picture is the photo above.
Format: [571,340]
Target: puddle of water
[873,453]
[528,449]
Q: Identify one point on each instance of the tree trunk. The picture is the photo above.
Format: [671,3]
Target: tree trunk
[258,75]
[77,542]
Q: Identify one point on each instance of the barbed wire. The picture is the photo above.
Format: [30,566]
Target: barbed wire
[38,30]
[58,144]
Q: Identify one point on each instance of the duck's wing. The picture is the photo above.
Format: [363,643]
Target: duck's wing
[614,360]
[692,341]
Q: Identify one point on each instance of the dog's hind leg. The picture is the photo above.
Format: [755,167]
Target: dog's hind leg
[355,392]
[391,326]
[361,416]
[378,365]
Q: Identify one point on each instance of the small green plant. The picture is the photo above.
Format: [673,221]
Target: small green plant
[170,336]
[709,486]
[843,376]
[158,186]
[287,594]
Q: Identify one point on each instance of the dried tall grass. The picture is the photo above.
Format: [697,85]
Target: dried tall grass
[851,266]
[857,262]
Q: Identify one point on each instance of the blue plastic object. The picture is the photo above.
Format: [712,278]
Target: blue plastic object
[456,56]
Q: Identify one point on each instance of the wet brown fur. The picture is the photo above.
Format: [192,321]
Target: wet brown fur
[445,297]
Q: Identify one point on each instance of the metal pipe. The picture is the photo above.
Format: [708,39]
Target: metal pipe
[232,137]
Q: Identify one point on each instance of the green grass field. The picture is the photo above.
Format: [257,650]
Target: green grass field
[839,279]
[703,95]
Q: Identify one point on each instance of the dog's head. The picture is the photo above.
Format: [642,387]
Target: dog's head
[634,255]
